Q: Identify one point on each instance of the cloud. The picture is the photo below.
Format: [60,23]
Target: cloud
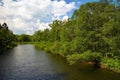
[27,16]
[65,17]
[2,14]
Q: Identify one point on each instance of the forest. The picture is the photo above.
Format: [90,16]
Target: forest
[91,35]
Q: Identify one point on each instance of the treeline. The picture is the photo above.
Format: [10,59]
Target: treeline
[92,34]
[7,38]
[24,39]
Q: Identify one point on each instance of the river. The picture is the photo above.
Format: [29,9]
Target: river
[25,62]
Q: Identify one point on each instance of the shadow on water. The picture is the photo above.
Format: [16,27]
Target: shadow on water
[25,62]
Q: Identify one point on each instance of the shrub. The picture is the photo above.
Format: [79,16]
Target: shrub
[84,57]
[111,63]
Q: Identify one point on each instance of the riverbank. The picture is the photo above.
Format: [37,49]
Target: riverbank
[12,45]
[111,64]
[88,57]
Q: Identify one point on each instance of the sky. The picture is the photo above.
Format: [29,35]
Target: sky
[28,16]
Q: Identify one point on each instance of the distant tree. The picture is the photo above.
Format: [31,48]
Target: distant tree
[24,38]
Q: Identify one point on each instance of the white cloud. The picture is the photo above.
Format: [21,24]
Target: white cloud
[27,16]
[65,18]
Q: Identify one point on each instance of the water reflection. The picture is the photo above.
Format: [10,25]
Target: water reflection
[24,62]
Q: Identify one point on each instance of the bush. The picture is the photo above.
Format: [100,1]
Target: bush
[87,56]
[65,49]
[111,63]
[55,47]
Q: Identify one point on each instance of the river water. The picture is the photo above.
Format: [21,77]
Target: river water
[25,62]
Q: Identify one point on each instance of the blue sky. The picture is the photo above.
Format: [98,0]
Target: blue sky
[28,16]
[78,3]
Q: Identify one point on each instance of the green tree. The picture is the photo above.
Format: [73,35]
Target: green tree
[7,38]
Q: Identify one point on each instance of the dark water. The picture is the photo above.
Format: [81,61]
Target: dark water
[24,62]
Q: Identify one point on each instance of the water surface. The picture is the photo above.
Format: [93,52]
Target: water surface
[25,62]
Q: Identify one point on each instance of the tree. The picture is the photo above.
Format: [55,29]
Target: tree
[7,38]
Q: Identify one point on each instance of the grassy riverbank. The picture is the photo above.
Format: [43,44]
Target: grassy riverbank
[65,50]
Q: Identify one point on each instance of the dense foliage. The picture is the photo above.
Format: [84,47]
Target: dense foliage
[92,34]
[7,38]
